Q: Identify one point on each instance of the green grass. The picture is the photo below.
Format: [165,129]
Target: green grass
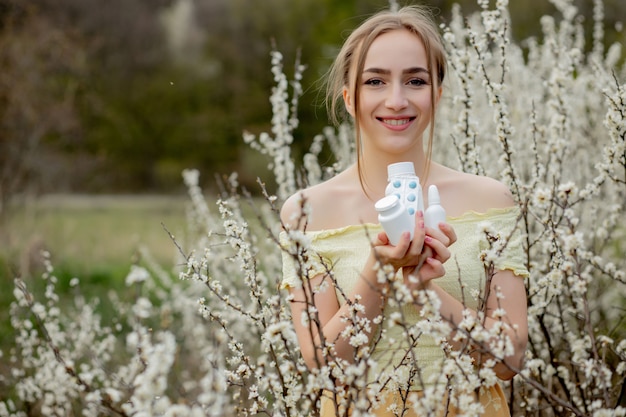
[91,233]
[93,238]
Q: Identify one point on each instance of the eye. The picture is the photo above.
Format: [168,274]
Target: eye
[417,82]
[374,82]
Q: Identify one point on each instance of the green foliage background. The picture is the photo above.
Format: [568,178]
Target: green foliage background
[97,98]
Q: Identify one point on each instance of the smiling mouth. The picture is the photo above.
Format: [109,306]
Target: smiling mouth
[397,122]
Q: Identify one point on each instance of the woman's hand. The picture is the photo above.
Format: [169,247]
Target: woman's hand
[435,253]
[444,234]
[407,253]
[423,257]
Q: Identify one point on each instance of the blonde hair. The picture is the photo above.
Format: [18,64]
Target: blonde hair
[417,20]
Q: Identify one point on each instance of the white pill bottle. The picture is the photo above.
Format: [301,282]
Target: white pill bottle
[394,218]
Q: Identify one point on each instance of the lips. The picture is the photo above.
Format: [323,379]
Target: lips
[396,121]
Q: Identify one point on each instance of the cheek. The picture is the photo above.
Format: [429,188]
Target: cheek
[367,102]
[425,103]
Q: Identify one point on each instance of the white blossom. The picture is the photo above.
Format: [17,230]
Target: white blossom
[215,336]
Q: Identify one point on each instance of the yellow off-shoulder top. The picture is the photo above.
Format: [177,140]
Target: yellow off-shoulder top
[345,250]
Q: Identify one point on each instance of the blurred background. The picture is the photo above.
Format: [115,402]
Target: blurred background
[120,96]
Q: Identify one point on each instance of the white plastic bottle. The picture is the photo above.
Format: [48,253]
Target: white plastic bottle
[435,213]
[394,218]
[406,185]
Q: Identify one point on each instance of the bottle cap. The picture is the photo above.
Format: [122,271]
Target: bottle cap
[433,195]
[386,203]
[400,168]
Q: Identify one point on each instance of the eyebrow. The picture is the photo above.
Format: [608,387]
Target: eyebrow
[412,70]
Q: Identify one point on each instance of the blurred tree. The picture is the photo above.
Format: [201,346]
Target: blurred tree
[37,95]
[134,92]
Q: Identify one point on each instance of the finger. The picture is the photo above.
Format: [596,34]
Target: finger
[416,248]
[448,230]
[444,233]
[431,269]
[419,233]
[437,234]
[436,267]
[439,250]
[427,251]
[380,239]
[404,244]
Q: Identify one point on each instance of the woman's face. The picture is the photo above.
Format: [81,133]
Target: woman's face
[394,106]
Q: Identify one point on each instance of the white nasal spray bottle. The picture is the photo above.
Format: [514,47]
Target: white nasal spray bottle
[435,213]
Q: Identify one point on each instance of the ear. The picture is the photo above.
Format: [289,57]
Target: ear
[347,101]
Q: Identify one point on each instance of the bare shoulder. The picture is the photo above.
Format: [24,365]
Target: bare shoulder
[312,208]
[490,192]
[468,192]
[292,210]
[296,210]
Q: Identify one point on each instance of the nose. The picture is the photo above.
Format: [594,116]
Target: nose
[396,100]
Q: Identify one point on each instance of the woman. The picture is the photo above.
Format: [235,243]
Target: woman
[388,76]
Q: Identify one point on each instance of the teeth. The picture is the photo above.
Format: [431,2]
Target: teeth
[396,122]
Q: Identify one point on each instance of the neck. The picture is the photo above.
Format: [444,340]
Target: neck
[374,171]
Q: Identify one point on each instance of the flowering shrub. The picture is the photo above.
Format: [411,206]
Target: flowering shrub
[216,338]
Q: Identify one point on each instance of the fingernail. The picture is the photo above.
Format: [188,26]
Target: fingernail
[428,239]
